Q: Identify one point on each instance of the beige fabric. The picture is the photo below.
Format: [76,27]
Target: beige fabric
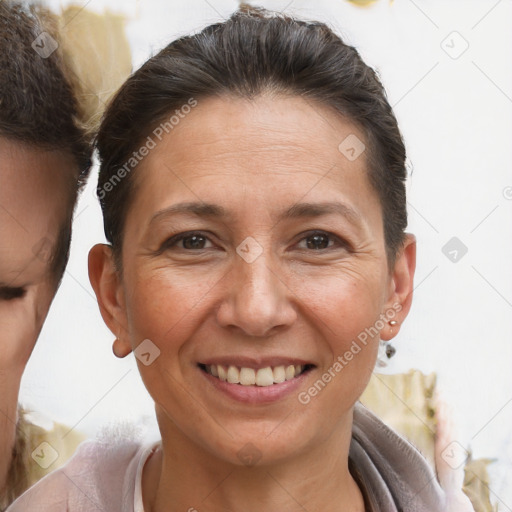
[406,403]
[58,442]
[476,485]
[40,447]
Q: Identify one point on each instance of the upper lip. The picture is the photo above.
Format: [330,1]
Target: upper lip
[252,362]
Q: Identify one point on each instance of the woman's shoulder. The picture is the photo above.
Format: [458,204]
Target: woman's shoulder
[393,466]
[100,476]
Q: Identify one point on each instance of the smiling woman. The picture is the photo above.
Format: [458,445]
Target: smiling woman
[257,243]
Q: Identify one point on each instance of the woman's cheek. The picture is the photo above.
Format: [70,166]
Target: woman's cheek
[341,307]
[162,300]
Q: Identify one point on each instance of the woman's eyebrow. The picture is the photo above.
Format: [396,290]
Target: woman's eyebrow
[196,208]
[318,209]
[297,210]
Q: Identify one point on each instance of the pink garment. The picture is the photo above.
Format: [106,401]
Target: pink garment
[92,481]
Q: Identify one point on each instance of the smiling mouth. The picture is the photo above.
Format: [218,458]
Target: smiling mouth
[262,377]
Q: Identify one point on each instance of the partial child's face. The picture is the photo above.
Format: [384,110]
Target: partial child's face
[254,246]
[34,199]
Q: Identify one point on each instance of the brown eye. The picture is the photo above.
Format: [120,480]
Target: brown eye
[322,242]
[190,241]
[317,241]
[194,242]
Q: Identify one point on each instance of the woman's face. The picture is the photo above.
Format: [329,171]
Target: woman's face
[34,197]
[255,241]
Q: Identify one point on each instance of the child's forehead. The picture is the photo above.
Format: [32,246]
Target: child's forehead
[34,204]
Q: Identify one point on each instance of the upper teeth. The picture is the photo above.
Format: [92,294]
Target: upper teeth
[250,377]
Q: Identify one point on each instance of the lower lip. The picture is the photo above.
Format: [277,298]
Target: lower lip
[256,394]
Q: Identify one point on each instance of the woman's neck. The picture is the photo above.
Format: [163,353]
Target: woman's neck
[184,477]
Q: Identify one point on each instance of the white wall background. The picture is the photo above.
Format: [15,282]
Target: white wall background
[455,114]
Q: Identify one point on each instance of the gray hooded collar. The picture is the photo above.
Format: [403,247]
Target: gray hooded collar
[392,474]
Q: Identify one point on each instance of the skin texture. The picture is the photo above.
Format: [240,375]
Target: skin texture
[255,159]
[32,211]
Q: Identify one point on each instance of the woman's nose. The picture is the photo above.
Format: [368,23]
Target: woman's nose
[256,298]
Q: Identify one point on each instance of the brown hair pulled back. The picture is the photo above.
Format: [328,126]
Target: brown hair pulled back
[251,53]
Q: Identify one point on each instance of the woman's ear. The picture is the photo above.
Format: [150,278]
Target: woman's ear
[400,289]
[107,286]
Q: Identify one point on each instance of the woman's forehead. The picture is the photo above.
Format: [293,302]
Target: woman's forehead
[255,161]
[248,125]
[259,144]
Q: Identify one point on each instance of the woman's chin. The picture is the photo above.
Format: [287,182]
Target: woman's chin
[261,443]
[257,452]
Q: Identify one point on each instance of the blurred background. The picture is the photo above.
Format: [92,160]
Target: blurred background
[446,66]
